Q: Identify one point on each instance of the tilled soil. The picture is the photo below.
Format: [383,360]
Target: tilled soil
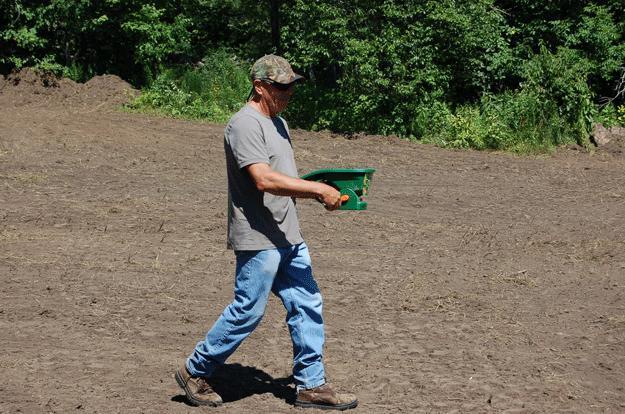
[475,282]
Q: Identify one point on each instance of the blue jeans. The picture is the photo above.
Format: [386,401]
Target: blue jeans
[288,274]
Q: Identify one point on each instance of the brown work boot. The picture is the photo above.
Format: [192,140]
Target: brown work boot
[325,398]
[198,391]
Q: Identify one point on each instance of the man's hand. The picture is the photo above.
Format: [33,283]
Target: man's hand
[330,198]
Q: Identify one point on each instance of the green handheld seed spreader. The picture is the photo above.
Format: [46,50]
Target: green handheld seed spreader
[353,184]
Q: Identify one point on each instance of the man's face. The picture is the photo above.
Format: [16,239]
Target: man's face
[276,97]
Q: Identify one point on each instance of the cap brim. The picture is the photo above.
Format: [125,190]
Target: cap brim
[296,78]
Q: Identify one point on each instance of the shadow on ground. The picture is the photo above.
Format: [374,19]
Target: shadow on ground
[235,382]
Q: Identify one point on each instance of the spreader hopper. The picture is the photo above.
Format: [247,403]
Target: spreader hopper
[352,183]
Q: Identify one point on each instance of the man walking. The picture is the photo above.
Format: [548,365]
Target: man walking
[271,256]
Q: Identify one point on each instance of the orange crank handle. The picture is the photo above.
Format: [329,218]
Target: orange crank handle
[344,199]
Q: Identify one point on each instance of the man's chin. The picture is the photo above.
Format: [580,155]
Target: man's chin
[279,110]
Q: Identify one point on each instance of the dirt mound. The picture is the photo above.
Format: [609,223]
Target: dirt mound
[30,87]
[108,88]
[616,147]
[610,140]
[31,79]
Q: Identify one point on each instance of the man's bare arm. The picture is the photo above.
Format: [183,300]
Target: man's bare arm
[273,182]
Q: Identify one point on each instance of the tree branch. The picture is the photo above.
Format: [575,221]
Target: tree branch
[619,89]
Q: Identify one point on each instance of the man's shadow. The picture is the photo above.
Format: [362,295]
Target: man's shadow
[235,382]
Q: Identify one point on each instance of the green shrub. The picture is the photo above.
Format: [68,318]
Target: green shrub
[562,78]
[519,121]
[213,91]
[611,115]
[464,128]
[524,121]
[607,116]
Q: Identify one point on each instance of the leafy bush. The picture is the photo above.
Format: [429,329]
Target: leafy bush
[519,121]
[562,78]
[213,91]
[611,115]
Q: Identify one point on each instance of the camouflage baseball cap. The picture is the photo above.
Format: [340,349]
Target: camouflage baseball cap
[274,68]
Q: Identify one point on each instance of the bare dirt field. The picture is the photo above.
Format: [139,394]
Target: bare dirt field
[475,282]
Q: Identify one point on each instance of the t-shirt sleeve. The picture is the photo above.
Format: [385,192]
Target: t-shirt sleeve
[245,138]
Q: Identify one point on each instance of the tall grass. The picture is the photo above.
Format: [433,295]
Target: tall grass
[213,90]
[515,121]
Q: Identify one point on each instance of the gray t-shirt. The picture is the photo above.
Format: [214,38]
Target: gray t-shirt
[257,220]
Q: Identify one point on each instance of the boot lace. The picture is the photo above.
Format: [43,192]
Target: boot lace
[203,387]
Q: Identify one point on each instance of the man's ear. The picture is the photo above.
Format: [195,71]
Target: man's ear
[257,84]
